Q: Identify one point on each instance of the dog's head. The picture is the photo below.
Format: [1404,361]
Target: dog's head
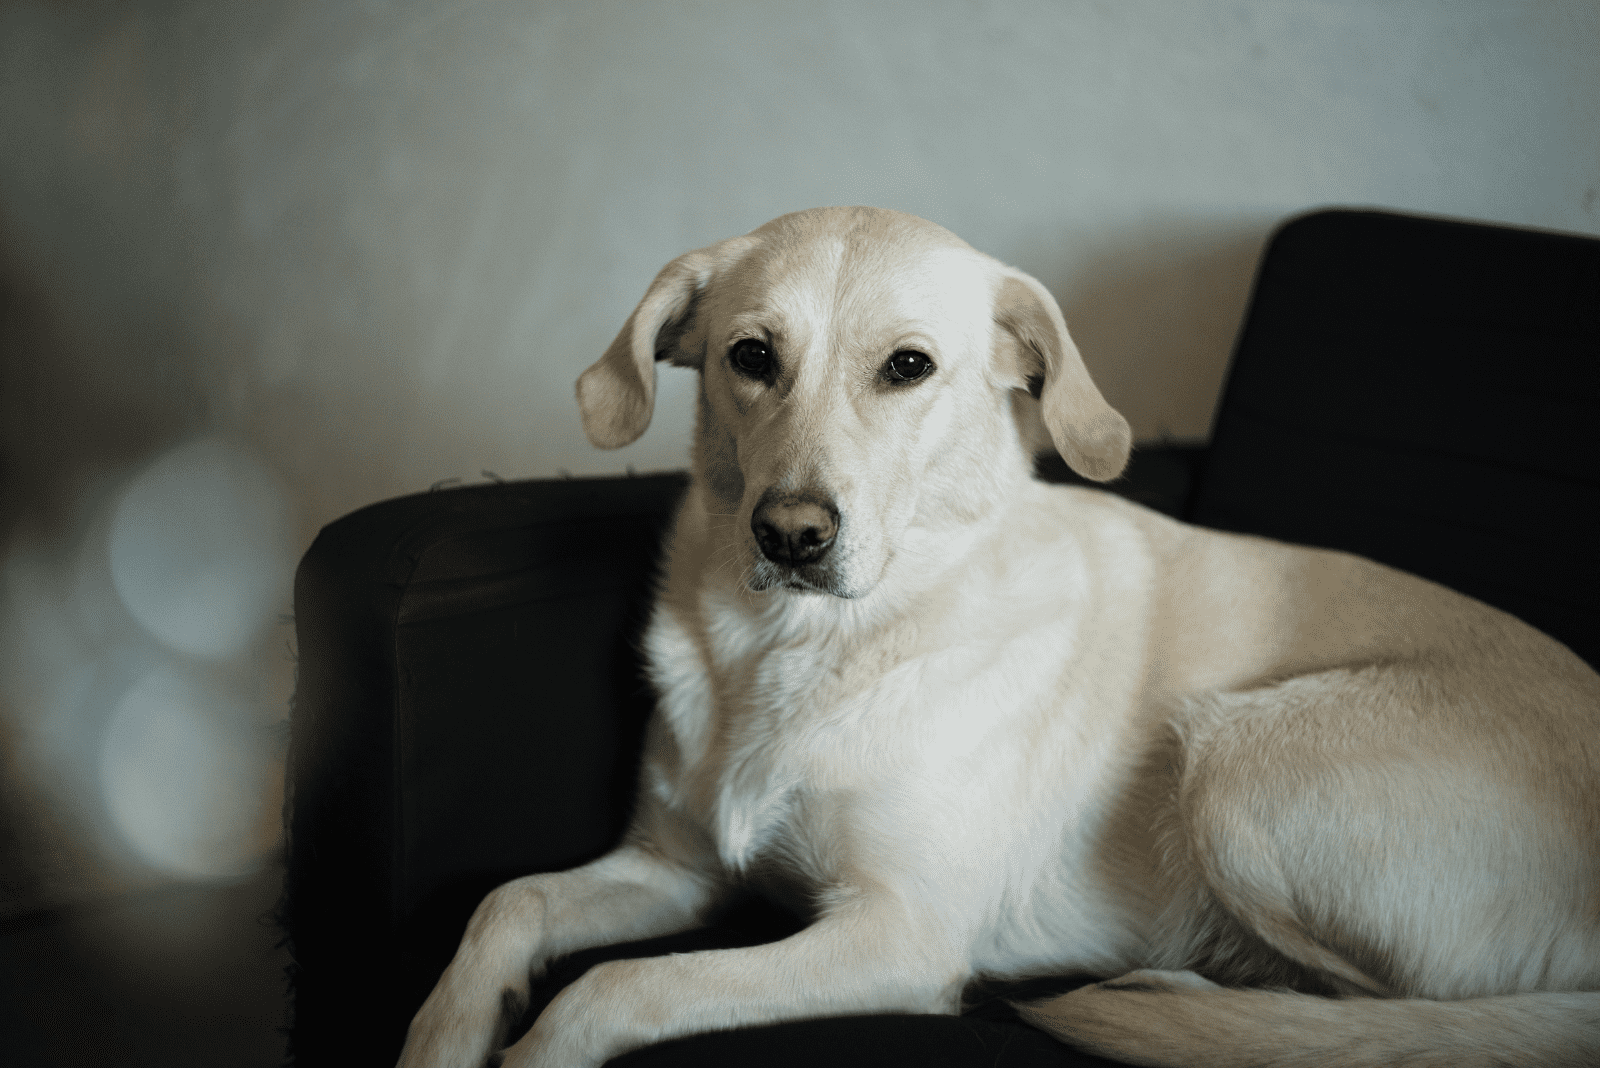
[865,381]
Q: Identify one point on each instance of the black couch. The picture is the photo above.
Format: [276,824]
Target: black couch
[469,708]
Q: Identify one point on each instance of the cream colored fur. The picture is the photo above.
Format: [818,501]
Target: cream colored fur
[1007,729]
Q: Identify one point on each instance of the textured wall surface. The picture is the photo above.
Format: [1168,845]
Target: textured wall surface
[266,261]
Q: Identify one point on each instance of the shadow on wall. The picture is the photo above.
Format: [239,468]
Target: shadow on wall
[1156,314]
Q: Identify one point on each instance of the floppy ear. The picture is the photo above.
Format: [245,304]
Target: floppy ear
[1089,434]
[617,394]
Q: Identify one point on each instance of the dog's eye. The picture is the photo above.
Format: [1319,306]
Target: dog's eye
[907,366]
[751,357]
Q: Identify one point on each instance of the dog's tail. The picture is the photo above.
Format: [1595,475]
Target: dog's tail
[1172,1024]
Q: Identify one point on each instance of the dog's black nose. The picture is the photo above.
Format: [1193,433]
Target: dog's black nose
[794,528]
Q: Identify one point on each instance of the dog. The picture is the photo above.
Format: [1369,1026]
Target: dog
[1305,808]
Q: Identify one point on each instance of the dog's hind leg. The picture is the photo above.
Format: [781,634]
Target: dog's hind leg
[1332,836]
[1379,834]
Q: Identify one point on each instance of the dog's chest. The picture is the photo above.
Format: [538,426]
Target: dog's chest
[760,726]
[799,749]
[795,754]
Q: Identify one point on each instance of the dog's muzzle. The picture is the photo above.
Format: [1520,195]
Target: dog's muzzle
[794,529]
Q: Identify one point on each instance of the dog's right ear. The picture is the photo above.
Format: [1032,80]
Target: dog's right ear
[617,394]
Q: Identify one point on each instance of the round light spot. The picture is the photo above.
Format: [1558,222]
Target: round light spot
[183,779]
[200,548]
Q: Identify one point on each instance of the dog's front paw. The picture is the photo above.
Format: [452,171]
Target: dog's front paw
[547,1045]
[602,1015]
[454,1032]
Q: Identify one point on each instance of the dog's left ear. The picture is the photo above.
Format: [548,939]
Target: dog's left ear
[617,394]
[1089,434]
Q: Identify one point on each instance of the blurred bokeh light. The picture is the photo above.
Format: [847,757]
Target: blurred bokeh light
[144,673]
[200,548]
[183,776]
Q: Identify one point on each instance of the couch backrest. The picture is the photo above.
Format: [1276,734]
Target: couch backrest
[1425,393]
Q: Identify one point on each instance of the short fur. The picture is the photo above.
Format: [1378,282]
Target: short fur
[1006,729]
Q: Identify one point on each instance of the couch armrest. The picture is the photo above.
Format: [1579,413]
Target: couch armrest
[469,708]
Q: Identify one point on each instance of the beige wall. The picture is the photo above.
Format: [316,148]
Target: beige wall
[368,246]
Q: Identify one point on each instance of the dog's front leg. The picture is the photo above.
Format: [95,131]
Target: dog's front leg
[630,893]
[868,956]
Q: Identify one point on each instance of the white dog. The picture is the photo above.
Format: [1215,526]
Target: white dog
[982,726]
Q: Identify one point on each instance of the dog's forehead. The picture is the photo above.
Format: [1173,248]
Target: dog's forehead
[858,281]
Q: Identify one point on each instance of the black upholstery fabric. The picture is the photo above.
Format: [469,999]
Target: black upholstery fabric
[470,702]
[469,709]
[1425,393]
